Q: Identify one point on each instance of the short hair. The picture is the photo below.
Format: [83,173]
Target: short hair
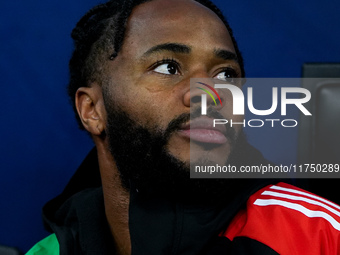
[99,35]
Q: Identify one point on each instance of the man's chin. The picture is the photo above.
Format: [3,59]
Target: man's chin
[192,152]
[202,154]
[175,180]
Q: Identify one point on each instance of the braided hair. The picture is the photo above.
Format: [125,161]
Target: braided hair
[98,36]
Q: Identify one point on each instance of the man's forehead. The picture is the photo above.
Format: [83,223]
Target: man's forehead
[183,21]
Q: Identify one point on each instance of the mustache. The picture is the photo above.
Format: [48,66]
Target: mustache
[211,112]
[175,124]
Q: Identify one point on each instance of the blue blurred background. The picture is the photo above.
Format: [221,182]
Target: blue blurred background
[41,145]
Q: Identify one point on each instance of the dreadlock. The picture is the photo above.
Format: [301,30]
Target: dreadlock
[98,36]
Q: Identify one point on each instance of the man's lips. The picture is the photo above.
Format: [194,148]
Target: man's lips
[202,130]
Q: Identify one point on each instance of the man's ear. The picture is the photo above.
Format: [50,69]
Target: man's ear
[91,110]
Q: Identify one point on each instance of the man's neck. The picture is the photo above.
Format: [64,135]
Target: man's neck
[116,200]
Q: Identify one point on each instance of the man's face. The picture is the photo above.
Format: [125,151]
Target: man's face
[167,43]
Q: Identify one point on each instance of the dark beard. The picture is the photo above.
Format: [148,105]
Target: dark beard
[147,167]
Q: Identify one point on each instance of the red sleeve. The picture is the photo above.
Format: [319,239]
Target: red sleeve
[290,221]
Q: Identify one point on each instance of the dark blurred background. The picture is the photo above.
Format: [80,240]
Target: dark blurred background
[41,145]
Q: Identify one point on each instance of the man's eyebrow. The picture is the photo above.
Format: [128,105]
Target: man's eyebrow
[225,55]
[173,47]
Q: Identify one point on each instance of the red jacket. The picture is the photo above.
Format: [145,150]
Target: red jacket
[289,220]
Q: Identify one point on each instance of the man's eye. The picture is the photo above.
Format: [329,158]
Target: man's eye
[227,75]
[167,68]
